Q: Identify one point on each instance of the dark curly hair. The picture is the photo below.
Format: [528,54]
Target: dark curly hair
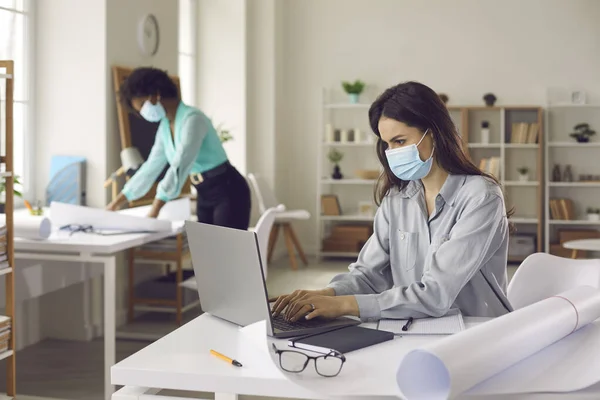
[146,81]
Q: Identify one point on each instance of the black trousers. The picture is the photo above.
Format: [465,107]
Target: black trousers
[224,200]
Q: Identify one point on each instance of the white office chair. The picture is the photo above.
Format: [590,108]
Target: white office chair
[543,275]
[266,199]
[262,229]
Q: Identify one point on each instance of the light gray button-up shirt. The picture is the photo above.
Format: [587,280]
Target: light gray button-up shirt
[420,266]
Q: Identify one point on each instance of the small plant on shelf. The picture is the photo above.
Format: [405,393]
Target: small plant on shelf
[353,89]
[523,174]
[17,193]
[582,133]
[593,214]
[335,156]
[489,99]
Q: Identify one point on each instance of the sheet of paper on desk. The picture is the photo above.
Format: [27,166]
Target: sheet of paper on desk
[549,346]
[446,325]
[174,210]
[29,226]
[62,214]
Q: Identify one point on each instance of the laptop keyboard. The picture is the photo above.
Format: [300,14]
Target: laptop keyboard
[280,323]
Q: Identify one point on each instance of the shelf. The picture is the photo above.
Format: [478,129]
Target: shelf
[348,105]
[521,146]
[347,218]
[348,181]
[5,174]
[349,144]
[484,145]
[568,105]
[518,220]
[5,271]
[6,354]
[519,183]
[574,144]
[575,184]
[339,254]
[5,76]
[573,222]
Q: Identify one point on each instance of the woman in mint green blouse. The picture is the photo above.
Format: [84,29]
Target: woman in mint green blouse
[186,142]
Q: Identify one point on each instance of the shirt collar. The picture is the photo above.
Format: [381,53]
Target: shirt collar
[448,191]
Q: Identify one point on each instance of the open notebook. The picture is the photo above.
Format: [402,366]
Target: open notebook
[447,325]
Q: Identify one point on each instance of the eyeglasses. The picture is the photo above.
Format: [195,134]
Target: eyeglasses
[77,228]
[327,365]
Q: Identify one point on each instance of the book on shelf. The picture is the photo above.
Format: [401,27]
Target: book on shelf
[562,209]
[490,166]
[5,324]
[524,133]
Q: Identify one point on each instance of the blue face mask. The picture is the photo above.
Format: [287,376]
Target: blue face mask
[406,164]
[152,112]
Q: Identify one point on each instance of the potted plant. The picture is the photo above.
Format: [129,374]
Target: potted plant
[593,214]
[485,132]
[335,157]
[353,89]
[489,99]
[582,133]
[3,191]
[523,174]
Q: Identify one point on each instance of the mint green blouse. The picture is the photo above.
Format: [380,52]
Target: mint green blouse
[196,149]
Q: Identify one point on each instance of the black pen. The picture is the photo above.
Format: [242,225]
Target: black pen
[408,324]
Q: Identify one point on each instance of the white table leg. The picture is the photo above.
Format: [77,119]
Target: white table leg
[226,396]
[110,271]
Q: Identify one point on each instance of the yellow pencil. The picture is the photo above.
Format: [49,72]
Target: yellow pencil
[225,358]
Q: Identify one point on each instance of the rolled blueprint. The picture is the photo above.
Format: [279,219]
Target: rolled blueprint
[451,366]
[29,226]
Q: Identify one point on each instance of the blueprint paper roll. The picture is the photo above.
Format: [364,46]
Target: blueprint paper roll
[29,226]
[455,364]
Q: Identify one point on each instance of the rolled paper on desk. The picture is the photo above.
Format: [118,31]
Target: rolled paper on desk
[29,226]
[453,365]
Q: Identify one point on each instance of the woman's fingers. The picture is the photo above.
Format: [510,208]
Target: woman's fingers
[280,304]
[302,310]
[295,306]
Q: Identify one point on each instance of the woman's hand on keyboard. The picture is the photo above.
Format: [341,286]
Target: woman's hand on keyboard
[281,302]
[312,306]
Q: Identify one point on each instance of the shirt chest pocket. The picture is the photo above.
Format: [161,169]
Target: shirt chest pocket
[404,252]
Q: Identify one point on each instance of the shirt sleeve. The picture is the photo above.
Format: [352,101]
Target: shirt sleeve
[475,237]
[193,133]
[141,182]
[371,272]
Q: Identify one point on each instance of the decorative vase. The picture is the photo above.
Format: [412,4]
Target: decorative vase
[344,136]
[337,174]
[593,217]
[567,174]
[523,177]
[353,97]
[583,139]
[2,208]
[485,135]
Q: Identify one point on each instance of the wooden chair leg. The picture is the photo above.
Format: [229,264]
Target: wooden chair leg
[289,242]
[297,244]
[272,240]
[130,285]
[179,279]
[573,253]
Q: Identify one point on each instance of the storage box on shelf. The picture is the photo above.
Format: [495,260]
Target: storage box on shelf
[7,322]
[347,171]
[507,142]
[572,192]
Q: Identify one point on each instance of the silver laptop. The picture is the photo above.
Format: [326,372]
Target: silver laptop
[231,285]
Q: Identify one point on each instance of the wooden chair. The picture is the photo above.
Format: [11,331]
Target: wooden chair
[283,219]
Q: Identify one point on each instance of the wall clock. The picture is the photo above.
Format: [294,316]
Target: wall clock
[148,35]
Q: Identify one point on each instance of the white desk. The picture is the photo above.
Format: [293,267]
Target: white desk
[181,361]
[91,248]
[583,244]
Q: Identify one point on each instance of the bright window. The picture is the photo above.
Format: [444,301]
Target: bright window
[16,44]
[187,49]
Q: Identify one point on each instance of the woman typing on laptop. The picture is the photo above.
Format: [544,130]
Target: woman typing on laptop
[440,237]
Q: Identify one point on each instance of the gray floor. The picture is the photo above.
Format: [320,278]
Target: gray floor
[57,369]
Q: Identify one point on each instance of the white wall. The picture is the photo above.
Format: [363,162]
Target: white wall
[222,70]
[513,48]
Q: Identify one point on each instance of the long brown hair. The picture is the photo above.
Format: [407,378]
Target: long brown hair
[418,106]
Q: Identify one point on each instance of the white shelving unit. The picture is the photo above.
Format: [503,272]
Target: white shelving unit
[358,154]
[525,196]
[563,150]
